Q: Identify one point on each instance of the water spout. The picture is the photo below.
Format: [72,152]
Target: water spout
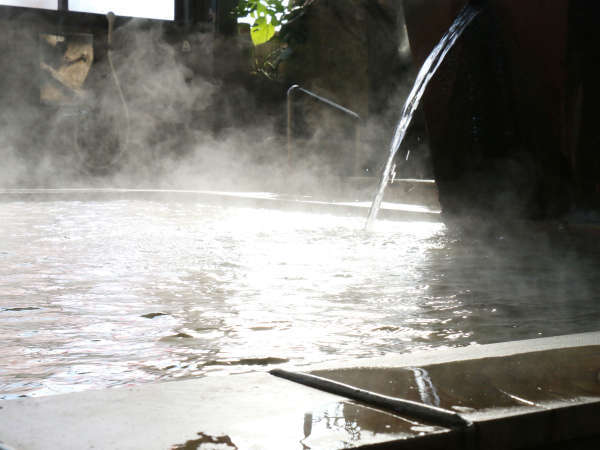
[429,68]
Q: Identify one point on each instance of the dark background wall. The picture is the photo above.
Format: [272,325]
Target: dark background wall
[510,117]
[506,112]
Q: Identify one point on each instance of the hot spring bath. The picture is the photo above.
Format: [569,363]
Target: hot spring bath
[108,292]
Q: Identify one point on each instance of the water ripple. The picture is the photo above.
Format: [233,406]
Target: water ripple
[99,294]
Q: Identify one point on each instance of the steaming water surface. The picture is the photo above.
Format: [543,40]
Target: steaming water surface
[103,293]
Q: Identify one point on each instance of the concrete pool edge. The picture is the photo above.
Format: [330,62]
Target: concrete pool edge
[247,407]
[268,200]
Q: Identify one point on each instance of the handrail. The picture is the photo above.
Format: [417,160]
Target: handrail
[326,101]
[322,99]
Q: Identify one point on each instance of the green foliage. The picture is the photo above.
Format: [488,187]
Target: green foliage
[273,18]
[268,16]
[261,31]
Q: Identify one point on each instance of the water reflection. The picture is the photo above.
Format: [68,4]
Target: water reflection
[101,293]
[345,424]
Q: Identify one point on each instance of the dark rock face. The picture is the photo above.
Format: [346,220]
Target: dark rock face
[505,114]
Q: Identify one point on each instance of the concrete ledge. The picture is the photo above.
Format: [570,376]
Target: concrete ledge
[389,211]
[259,411]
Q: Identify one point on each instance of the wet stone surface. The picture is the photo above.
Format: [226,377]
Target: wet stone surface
[531,379]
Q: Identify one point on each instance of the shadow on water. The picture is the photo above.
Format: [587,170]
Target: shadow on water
[513,282]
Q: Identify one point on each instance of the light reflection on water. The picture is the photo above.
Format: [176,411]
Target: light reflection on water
[96,294]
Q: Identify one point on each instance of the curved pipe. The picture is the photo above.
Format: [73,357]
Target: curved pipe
[331,103]
[111,17]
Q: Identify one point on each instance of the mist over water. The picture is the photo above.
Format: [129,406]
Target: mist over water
[189,126]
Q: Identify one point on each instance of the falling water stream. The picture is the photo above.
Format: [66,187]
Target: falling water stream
[429,68]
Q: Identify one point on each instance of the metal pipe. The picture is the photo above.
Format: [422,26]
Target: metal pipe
[408,408]
[356,147]
[63,5]
[289,125]
[332,104]
[110,17]
[322,99]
